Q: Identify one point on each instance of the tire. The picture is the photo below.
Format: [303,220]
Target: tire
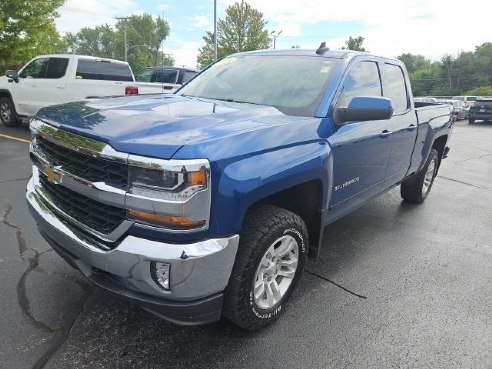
[471,121]
[7,113]
[267,229]
[416,189]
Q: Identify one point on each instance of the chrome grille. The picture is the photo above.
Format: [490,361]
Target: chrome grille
[82,165]
[98,216]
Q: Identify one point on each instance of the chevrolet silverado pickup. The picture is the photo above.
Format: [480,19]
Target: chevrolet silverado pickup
[54,79]
[207,202]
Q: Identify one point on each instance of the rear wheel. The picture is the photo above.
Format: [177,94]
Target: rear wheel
[417,189]
[269,262]
[7,112]
[471,121]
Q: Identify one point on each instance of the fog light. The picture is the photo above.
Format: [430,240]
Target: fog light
[160,274]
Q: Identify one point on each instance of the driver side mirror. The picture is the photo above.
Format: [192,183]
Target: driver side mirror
[364,108]
[12,75]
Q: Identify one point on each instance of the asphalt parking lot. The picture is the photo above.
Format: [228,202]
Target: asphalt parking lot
[397,286]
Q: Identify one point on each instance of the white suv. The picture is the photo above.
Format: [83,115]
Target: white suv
[56,79]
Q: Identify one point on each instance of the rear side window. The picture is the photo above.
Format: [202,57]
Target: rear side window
[103,70]
[362,80]
[165,76]
[57,67]
[188,75]
[395,88]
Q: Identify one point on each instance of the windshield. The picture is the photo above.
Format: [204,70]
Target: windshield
[292,84]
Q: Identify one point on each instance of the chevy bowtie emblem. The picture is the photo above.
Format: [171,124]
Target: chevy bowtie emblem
[52,175]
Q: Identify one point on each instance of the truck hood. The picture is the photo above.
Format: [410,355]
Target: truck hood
[159,125]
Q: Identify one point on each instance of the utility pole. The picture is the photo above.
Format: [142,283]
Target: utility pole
[275,37]
[125,30]
[215,30]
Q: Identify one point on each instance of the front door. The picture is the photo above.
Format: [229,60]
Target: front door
[360,149]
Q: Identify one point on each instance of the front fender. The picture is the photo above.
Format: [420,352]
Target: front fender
[249,180]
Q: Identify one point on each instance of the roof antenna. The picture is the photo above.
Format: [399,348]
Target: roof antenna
[322,48]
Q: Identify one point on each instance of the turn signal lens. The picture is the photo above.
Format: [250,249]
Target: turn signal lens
[165,220]
[197,178]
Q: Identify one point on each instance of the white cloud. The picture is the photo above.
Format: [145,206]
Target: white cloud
[185,54]
[428,27]
[200,21]
[75,15]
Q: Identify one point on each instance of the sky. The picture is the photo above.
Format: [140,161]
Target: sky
[431,28]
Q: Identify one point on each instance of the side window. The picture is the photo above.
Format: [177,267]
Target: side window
[165,76]
[188,75]
[362,80]
[103,70]
[35,69]
[145,75]
[57,67]
[395,88]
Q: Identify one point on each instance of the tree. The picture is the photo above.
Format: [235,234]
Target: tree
[144,37]
[243,29]
[27,29]
[414,62]
[354,44]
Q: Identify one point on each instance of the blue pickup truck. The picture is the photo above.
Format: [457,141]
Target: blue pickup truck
[207,202]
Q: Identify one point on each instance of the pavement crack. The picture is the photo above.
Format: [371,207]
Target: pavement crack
[14,180]
[24,300]
[465,183]
[21,242]
[334,283]
[475,157]
[64,332]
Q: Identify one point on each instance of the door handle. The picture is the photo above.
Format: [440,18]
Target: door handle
[411,127]
[61,87]
[385,134]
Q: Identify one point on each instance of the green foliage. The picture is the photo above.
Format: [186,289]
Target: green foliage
[469,71]
[479,91]
[243,29]
[144,37]
[354,44]
[27,29]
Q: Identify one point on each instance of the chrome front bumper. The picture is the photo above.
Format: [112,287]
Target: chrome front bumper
[198,270]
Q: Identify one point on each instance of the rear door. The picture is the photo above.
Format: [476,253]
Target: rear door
[360,149]
[403,123]
[99,78]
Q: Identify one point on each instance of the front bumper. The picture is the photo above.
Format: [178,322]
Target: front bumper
[199,272]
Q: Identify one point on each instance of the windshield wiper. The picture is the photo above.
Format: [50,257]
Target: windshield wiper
[236,101]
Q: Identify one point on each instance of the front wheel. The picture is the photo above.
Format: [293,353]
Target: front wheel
[269,262]
[7,112]
[417,189]
[471,121]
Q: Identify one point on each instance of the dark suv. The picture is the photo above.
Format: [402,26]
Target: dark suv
[480,110]
[165,75]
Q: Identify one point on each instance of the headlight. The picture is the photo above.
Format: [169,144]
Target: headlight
[173,194]
[166,185]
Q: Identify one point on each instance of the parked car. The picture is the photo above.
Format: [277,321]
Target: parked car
[467,100]
[459,111]
[54,79]
[429,100]
[480,110]
[163,79]
[207,201]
